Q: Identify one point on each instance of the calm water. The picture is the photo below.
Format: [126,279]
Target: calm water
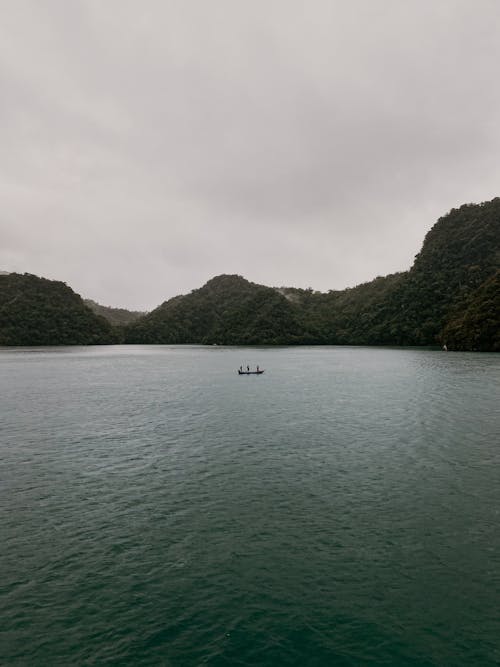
[157,509]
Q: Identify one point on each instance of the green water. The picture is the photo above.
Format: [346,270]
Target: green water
[157,509]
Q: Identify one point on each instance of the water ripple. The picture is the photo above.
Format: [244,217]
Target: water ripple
[159,510]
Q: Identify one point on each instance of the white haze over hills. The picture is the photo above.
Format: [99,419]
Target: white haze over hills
[146,147]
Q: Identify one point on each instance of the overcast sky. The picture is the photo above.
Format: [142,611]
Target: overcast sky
[148,145]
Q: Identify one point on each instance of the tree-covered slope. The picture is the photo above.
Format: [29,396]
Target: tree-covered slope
[354,316]
[458,255]
[37,311]
[450,295]
[115,316]
[477,327]
[227,310]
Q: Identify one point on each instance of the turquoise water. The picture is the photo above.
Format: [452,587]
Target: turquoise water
[157,509]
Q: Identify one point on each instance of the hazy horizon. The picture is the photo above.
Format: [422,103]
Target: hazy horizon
[148,148]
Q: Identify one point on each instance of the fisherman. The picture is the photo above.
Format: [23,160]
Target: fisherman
[241,369]
[248,368]
[257,369]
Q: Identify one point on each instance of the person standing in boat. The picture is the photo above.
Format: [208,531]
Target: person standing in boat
[241,369]
[248,368]
[257,369]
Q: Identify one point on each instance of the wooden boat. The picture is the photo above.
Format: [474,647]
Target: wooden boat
[249,372]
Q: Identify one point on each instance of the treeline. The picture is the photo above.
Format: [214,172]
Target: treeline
[36,311]
[228,310]
[449,296]
[117,316]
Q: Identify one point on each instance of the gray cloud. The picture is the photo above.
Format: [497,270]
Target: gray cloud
[146,147]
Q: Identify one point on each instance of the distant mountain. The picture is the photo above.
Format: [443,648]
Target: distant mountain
[451,295]
[228,310]
[115,316]
[459,254]
[419,307]
[37,311]
[477,326]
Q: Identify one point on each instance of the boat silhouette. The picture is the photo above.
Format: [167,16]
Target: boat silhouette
[259,372]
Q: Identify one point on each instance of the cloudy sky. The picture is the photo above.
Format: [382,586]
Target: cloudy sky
[148,145]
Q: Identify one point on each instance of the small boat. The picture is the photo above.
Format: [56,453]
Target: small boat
[249,372]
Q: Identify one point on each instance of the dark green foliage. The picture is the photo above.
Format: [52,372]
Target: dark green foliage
[232,311]
[478,326]
[115,316]
[356,316]
[228,310]
[450,295]
[459,254]
[36,311]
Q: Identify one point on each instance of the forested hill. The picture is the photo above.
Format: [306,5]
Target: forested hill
[458,255]
[36,311]
[228,310]
[423,306]
[115,316]
[451,295]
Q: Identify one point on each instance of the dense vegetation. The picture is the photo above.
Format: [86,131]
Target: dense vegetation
[116,316]
[449,296]
[227,310]
[36,311]
[459,254]
[477,326]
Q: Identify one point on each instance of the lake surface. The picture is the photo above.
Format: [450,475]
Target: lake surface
[157,509]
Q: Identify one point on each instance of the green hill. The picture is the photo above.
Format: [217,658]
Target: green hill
[449,296]
[459,254]
[37,311]
[477,327]
[115,316]
[228,310]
